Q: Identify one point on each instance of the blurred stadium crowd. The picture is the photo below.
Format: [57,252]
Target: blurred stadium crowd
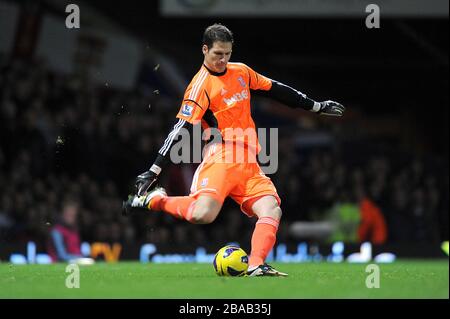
[62,137]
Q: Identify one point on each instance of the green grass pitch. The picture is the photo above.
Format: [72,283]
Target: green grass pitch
[402,279]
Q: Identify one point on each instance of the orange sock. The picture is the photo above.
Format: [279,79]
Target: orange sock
[177,206]
[263,240]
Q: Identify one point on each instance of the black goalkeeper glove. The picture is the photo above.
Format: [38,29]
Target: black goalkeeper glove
[331,108]
[145,181]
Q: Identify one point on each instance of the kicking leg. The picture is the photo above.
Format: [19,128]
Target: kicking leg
[201,210]
[197,210]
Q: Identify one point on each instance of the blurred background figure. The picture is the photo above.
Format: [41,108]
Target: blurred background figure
[64,242]
[373,225]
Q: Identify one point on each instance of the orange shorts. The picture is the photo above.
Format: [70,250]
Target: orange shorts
[242,180]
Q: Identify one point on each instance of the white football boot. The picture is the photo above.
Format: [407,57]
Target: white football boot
[135,201]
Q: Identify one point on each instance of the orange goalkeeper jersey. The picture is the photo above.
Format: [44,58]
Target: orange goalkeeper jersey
[222,101]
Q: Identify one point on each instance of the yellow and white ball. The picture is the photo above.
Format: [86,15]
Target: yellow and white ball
[231,261]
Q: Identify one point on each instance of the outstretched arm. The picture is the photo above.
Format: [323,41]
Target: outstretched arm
[296,99]
[147,180]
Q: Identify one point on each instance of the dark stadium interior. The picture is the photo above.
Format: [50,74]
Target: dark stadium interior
[61,137]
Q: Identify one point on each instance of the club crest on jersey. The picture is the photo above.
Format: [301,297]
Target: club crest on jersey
[242,82]
[186,110]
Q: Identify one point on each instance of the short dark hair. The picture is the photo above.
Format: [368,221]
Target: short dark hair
[217,32]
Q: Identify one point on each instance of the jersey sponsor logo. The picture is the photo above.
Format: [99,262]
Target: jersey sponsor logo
[204,182]
[243,95]
[186,110]
[242,82]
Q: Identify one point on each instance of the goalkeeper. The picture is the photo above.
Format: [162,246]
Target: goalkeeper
[218,97]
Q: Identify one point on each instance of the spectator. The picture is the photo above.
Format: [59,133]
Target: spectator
[64,242]
[373,226]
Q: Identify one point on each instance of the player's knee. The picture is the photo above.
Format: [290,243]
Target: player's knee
[273,212]
[267,207]
[203,215]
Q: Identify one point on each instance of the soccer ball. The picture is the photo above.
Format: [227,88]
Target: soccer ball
[231,261]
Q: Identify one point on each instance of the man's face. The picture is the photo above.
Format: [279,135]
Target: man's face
[217,57]
[70,213]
